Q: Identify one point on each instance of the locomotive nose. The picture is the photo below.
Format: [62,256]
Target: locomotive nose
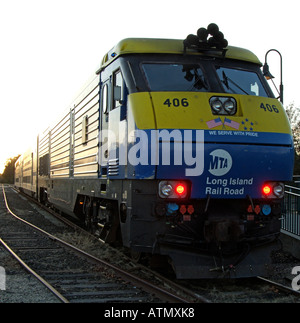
[223,230]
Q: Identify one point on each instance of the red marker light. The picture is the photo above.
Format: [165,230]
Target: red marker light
[267,189]
[180,189]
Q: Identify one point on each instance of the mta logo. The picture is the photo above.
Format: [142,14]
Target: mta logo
[220,162]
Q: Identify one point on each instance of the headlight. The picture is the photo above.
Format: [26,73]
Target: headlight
[166,190]
[273,190]
[173,189]
[223,105]
[217,105]
[230,107]
[278,190]
[267,190]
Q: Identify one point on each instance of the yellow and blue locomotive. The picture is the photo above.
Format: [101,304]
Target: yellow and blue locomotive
[174,148]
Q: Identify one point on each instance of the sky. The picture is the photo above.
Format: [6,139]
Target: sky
[50,48]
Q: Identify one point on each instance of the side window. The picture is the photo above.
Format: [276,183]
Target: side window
[105,108]
[117,89]
[85,129]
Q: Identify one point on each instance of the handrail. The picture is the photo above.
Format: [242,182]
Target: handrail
[291,213]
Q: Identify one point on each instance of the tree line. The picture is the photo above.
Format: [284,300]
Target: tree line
[8,174]
[293,114]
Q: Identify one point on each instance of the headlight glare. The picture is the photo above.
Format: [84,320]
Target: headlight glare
[217,105]
[166,190]
[230,107]
[278,190]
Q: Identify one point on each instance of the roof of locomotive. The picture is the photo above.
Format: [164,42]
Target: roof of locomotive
[170,46]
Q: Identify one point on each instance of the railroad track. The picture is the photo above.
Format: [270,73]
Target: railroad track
[279,286]
[244,290]
[72,274]
[252,290]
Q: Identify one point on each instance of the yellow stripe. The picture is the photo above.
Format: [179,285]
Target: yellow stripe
[169,110]
[139,104]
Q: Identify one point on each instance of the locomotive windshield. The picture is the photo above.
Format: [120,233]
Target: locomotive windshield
[238,81]
[202,75]
[175,77]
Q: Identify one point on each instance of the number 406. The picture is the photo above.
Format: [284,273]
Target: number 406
[269,108]
[176,102]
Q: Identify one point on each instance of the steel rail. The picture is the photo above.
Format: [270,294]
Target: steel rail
[279,286]
[31,271]
[161,292]
[36,275]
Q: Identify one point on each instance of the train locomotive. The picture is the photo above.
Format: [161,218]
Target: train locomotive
[175,148]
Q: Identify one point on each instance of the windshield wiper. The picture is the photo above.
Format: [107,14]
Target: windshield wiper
[225,82]
[199,84]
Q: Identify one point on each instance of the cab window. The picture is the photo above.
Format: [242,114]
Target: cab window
[117,89]
[237,81]
[175,77]
[105,101]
